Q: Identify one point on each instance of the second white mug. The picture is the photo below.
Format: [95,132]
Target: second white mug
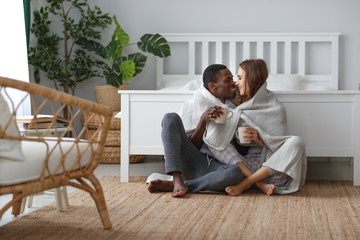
[240,135]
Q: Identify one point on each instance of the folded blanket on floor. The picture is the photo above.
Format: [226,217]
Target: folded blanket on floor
[159,176]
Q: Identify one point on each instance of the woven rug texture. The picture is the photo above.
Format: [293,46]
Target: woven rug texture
[320,210]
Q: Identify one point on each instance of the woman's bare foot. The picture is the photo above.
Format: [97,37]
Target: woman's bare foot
[160,186]
[236,190]
[268,189]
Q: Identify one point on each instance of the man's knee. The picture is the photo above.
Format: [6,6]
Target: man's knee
[170,118]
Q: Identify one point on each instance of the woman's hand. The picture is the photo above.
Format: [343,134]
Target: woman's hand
[252,134]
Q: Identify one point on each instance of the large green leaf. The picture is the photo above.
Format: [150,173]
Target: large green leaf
[119,34]
[113,79]
[127,69]
[111,51]
[91,45]
[155,44]
[139,60]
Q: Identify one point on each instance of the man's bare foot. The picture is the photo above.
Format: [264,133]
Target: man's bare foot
[236,190]
[160,186]
[268,189]
[177,186]
[180,188]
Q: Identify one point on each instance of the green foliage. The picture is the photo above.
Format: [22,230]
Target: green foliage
[62,58]
[154,44]
[118,68]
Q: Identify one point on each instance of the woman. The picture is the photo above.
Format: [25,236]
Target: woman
[277,162]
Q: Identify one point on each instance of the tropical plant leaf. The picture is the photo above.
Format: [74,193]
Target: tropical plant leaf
[127,70]
[139,59]
[113,79]
[155,44]
[91,45]
[119,34]
[109,52]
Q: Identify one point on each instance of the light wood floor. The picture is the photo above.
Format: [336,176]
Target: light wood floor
[318,169]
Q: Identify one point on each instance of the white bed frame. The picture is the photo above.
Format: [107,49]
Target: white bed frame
[328,121]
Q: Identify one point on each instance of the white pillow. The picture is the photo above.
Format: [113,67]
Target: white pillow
[315,87]
[283,82]
[9,149]
[192,85]
[311,85]
[174,83]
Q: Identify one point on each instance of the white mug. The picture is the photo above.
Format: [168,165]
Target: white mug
[240,135]
[223,118]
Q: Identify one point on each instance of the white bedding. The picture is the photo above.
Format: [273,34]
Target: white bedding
[276,82]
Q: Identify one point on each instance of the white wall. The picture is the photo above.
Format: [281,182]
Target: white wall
[13,52]
[13,58]
[165,16]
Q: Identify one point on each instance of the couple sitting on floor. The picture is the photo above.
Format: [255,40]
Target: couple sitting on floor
[201,154]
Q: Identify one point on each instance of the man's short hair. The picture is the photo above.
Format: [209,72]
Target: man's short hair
[211,73]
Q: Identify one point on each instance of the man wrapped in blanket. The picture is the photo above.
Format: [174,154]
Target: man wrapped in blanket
[187,158]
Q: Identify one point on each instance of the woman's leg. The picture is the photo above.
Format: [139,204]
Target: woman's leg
[257,176]
[264,187]
[230,155]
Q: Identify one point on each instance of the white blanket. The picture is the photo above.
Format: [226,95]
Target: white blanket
[217,135]
[282,152]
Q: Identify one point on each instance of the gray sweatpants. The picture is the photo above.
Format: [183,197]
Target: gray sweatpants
[197,169]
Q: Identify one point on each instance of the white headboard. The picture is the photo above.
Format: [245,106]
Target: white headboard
[285,53]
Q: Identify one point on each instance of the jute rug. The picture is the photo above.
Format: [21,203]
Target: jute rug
[320,210]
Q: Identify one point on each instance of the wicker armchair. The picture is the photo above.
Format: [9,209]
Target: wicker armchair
[66,158]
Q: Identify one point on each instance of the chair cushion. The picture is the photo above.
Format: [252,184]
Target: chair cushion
[9,149]
[13,172]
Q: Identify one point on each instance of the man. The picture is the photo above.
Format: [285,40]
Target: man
[188,158]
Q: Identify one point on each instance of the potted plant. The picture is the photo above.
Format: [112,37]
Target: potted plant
[61,57]
[117,68]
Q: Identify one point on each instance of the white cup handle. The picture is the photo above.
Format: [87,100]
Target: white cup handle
[230,115]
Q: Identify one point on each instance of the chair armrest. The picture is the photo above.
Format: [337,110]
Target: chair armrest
[47,99]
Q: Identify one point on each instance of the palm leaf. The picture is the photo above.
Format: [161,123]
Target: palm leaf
[110,51]
[155,44]
[113,79]
[120,34]
[91,45]
[139,60]
[127,70]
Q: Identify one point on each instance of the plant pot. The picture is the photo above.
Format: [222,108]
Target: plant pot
[109,96]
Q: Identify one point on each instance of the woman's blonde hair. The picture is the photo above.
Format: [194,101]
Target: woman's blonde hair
[256,73]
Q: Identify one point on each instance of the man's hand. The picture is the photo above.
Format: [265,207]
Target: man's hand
[212,112]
